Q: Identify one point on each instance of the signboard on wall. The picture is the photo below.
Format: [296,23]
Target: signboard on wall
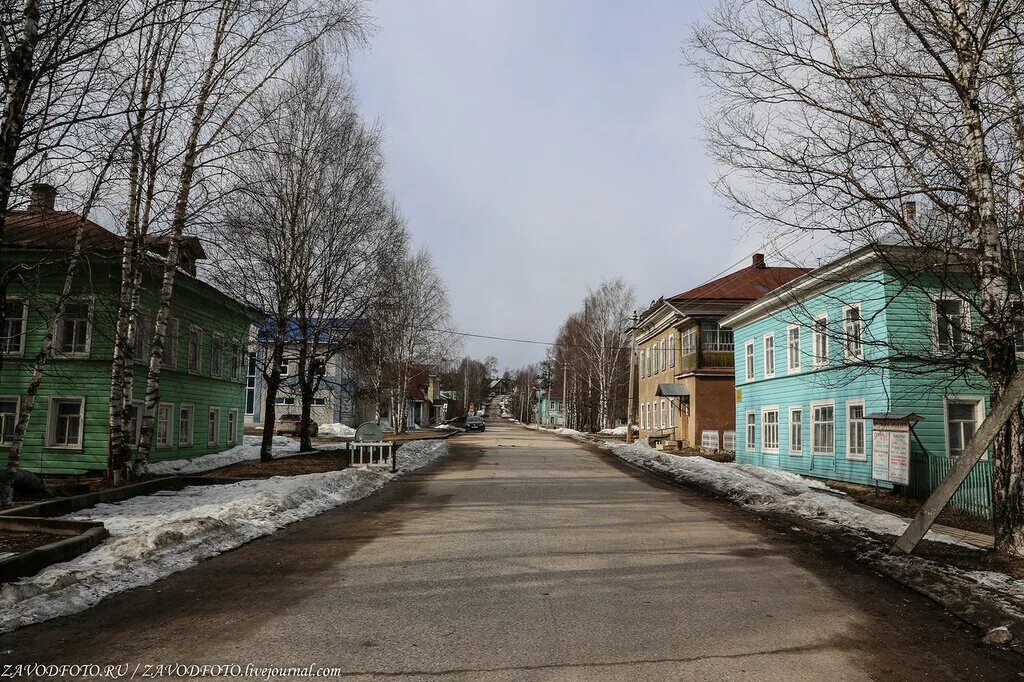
[890,452]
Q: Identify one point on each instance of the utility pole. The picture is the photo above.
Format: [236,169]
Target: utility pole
[565,381]
[632,369]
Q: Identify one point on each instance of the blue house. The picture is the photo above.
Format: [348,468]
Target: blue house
[848,373]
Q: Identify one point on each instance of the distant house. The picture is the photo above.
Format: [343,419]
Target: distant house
[335,399]
[685,357]
[202,381]
[831,381]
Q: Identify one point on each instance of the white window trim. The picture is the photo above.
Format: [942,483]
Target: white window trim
[849,455]
[795,452]
[819,364]
[170,426]
[823,403]
[965,318]
[17,413]
[672,350]
[791,368]
[51,425]
[84,355]
[664,414]
[199,352]
[846,337]
[191,425]
[748,365]
[24,327]
[778,428]
[979,415]
[672,414]
[233,437]
[750,445]
[213,438]
[764,355]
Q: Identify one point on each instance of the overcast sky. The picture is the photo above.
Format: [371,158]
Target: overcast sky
[538,146]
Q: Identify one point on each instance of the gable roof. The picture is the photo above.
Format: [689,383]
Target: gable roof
[56,230]
[748,284]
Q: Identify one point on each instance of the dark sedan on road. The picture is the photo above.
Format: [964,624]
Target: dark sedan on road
[475,423]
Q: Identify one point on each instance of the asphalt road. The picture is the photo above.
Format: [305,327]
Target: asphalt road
[527,556]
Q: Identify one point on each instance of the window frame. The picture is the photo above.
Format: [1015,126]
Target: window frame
[169,357]
[232,426]
[748,361]
[664,355]
[664,414]
[792,368]
[965,316]
[688,341]
[191,440]
[750,427]
[217,355]
[799,423]
[170,425]
[850,455]
[766,410]
[17,412]
[824,360]
[199,351]
[672,350]
[59,352]
[671,415]
[979,416]
[213,436]
[703,438]
[51,422]
[23,333]
[766,355]
[816,404]
[847,338]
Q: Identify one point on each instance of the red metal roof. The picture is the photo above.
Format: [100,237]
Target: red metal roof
[748,284]
[55,230]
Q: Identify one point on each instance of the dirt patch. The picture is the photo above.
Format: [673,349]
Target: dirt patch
[317,463]
[16,542]
[907,507]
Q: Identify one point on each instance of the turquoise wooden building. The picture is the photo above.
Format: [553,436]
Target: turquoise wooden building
[203,378]
[822,360]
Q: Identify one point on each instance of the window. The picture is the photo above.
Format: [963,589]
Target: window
[961,423]
[709,439]
[821,341]
[769,356]
[796,431]
[672,351]
[186,420]
[12,332]
[65,422]
[141,332]
[855,430]
[8,418]
[320,400]
[853,333]
[689,341]
[235,361]
[664,354]
[716,339]
[169,358]
[664,414]
[749,360]
[654,359]
[135,411]
[643,422]
[751,431]
[647,361]
[232,426]
[281,400]
[213,427]
[195,349]
[950,322]
[216,355]
[770,429]
[73,331]
[250,385]
[793,349]
[823,428]
[671,415]
[729,441]
[163,425]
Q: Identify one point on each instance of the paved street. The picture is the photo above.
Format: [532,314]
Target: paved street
[527,556]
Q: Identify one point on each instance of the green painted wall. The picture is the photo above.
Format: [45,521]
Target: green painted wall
[89,377]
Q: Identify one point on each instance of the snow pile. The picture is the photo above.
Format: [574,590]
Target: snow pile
[283,446]
[156,535]
[340,430]
[766,490]
[619,431]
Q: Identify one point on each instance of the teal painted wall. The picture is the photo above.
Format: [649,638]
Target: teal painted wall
[88,377]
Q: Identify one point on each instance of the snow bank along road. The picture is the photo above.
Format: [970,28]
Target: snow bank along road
[526,555]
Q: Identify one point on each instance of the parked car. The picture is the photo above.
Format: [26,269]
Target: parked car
[475,423]
[288,425]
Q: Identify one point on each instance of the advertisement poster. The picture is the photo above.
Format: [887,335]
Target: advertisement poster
[880,454]
[899,457]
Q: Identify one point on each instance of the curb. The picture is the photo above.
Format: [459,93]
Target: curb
[84,535]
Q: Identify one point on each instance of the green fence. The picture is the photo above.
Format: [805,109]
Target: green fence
[974,495]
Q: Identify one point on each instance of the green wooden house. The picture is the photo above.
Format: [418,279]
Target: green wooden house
[202,381]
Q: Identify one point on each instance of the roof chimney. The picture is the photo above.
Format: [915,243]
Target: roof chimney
[758,261]
[908,209]
[42,197]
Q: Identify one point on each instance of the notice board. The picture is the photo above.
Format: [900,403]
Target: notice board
[890,452]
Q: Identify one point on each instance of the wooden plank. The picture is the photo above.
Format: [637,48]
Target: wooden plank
[1001,411]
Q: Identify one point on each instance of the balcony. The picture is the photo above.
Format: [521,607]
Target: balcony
[718,358]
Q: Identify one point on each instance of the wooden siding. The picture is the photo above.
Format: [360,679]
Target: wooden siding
[89,377]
